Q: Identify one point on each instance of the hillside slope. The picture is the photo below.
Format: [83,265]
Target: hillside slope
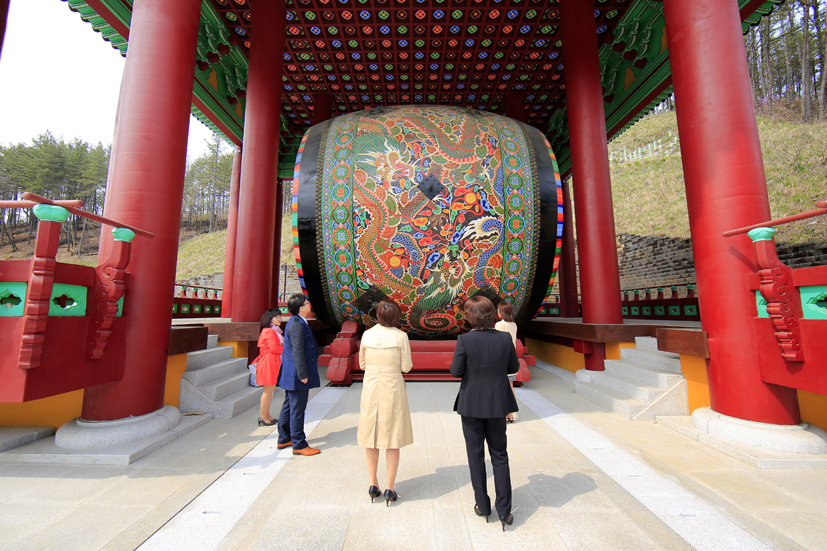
[649,195]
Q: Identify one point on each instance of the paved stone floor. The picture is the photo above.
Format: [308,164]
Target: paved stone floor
[583,479]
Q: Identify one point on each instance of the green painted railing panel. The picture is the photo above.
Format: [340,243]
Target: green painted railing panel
[12,298]
[761,304]
[811,296]
[75,304]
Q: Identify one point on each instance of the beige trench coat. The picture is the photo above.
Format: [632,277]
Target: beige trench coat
[384,417]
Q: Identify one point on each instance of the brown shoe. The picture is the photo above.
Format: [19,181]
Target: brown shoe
[307,451]
[285,445]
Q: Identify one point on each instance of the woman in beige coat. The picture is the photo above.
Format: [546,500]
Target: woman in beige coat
[384,417]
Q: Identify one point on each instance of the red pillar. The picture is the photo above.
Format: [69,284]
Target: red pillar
[569,307]
[599,279]
[274,292]
[4,12]
[258,216]
[145,189]
[515,107]
[232,230]
[725,189]
[322,108]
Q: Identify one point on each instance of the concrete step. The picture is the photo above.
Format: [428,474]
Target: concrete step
[644,374]
[209,356]
[609,399]
[667,361]
[217,390]
[12,437]
[646,343]
[626,387]
[221,370]
[212,341]
[239,401]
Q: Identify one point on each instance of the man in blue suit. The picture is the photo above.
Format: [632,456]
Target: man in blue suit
[299,373]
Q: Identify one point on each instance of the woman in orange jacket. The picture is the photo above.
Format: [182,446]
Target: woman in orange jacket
[268,362]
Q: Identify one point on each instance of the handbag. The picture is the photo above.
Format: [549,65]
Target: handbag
[252,368]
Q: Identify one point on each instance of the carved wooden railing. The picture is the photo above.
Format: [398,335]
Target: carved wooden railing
[32,292]
[679,303]
[794,302]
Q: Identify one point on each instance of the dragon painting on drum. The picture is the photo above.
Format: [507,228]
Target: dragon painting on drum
[428,206]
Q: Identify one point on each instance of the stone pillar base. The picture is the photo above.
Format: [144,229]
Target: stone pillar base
[83,435]
[801,438]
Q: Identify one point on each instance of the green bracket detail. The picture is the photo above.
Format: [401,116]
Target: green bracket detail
[635,311]
[51,213]
[761,304]
[660,311]
[123,234]
[216,309]
[811,296]
[761,234]
[625,310]
[675,310]
[175,308]
[185,308]
[75,303]
[647,310]
[555,311]
[207,309]
[690,310]
[12,299]
[196,309]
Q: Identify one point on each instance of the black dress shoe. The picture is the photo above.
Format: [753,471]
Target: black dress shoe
[509,520]
[481,514]
[265,423]
[374,492]
[390,495]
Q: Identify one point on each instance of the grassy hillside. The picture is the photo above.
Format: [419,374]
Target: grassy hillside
[204,254]
[649,196]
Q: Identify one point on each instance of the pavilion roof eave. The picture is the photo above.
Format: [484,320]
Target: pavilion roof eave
[634,64]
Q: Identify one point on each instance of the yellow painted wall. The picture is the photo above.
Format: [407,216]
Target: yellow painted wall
[239,348]
[556,354]
[176,365]
[46,412]
[613,349]
[697,384]
[813,408]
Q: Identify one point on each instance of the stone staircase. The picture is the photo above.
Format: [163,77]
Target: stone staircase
[217,383]
[643,384]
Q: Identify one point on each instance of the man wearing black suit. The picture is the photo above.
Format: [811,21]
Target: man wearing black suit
[483,360]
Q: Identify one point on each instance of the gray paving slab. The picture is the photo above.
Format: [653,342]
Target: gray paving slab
[582,477]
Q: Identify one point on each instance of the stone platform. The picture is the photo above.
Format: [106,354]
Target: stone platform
[583,479]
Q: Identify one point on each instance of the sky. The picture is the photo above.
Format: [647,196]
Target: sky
[57,74]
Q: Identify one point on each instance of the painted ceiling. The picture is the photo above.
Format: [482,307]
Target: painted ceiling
[470,53]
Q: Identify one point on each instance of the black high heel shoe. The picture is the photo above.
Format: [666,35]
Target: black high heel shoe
[509,520]
[480,514]
[265,423]
[390,495]
[373,492]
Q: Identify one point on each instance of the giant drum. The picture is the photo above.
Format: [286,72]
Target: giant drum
[428,206]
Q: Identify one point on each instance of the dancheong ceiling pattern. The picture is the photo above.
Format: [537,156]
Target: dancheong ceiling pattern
[468,53]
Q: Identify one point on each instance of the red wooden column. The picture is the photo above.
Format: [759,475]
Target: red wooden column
[725,189]
[569,307]
[274,292]
[4,12]
[599,279]
[322,108]
[145,189]
[258,217]
[232,230]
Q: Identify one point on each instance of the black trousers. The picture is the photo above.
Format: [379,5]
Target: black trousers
[477,432]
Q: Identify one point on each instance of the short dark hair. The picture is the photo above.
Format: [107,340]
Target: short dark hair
[506,311]
[388,313]
[480,312]
[295,302]
[268,317]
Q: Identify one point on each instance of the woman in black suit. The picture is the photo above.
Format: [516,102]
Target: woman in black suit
[483,360]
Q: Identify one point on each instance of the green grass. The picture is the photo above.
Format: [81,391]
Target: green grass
[649,196]
[204,255]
